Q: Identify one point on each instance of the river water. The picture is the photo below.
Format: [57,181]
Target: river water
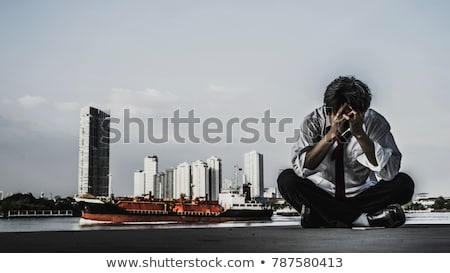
[77,224]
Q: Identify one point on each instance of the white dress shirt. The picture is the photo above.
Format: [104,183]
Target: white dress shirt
[359,173]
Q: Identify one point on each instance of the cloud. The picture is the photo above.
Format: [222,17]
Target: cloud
[225,100]
[226,92]
[31,101]
[217,88]
[147,96]
[148,101]
[67,106]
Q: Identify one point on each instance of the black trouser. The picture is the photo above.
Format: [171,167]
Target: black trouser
[325,210]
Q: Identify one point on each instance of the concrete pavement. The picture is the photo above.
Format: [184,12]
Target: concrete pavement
[279,239]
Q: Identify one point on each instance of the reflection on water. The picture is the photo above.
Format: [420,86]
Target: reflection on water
[74,223]
[39,224]
[428,218]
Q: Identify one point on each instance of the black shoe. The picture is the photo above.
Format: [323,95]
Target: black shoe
[392,216]
[309,219]
[305,220]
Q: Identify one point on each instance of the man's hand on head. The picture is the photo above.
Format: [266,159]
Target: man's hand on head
[356,120]
[339,124]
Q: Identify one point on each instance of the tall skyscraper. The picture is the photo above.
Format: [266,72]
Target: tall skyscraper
[200,180]
[150,169]
[169,183]
[215,177]
[254,172]
[182,185]
[159,179]
[1,195]
[176,192]
[93,162]
[139,183]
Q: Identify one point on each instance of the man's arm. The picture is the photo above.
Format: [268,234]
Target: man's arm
[386,152]
[368,147]
[316,155]
[356,120]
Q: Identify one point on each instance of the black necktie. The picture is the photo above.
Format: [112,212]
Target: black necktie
[338,156]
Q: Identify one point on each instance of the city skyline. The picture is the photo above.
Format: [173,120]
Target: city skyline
[198,179]
[225,60]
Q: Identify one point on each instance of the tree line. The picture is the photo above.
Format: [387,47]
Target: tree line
[26,201]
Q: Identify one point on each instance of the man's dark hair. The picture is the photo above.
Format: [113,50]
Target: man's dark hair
[347,90]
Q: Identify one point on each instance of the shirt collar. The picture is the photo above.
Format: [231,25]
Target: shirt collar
[326,117]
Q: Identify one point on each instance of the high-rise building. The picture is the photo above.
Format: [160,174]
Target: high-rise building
[169,183]
[139,183]
[159,179]
[1,195]
[254,173]
[93,162]
[200,180]
[175,192]
[150,169]
[215,177]
[227,185]
[182,185]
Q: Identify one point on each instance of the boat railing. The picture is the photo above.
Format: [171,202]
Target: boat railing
[38,213]
[197,213]
[148,211]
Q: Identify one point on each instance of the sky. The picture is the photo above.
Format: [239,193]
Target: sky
[221,59]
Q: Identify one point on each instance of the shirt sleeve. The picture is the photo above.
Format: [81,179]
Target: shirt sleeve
[310,134]
[387,153]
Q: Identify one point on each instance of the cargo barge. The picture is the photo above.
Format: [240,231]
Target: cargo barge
[229,207]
